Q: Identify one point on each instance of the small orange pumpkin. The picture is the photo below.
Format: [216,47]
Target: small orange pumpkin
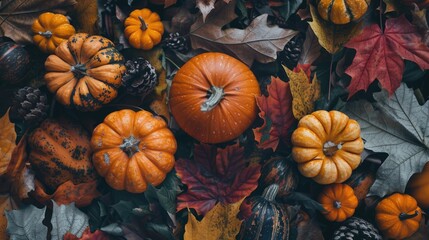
[143,29]
[342,11]
[418,187]
[212,97]
[85,72]
[398,216]
[339,201]
[133,149]
[50,30]
[327,146]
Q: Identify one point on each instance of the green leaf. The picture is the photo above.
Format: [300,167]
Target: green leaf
[67,219]
[160,229]
[125,209]
[166,193]
[290,8]
[26,223]
[97,214]
[113,229]
[399,126]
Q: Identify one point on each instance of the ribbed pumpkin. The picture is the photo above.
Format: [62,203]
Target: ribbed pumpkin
[50,30]
[133,149]
[268,220]
[342,11]
[339,202]
[60,151]
[418,187]
[143,29]
[14,62]
[212,97]
[85,72]
[398,216]
[280,171]
[327,146]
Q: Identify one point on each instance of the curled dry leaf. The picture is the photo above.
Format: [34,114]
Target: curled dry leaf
[304,92]
[23,183]
[219,223]
[332,37]
[7,141]
[258,41]
[17,16]
[81,194]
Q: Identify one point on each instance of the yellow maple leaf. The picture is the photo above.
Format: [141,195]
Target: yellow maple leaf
[7,142]
[332,37]
[219,223]
[304,93]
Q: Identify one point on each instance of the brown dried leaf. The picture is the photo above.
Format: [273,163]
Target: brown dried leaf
[7,142]
[310,49]
[219,223]
[257,42]
[392,6]
[419,20]
[22,184]
[19,155]
[332,37]
[86,12]
[304,93]
[168,3]
[205,6]
[17,16]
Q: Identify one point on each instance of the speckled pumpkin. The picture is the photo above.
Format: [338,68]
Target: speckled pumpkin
[133,149]
[85,72]
[342,11]
[60,151]
[50,30]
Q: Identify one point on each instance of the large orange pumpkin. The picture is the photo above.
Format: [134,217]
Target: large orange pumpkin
[133,149]
[212,97]
[85,72]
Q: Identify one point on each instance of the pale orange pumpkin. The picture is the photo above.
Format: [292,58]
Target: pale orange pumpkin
[143,29]
[133,149]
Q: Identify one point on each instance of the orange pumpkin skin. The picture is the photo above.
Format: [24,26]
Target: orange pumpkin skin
[143,29]
[85,72]
[60,151]
[342,11]
[212,97]
[327,146]
[339,201]
[50,30]
[133,149]
[418,187]
[398,216]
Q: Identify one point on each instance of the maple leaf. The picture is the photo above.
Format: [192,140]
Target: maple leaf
[258,41]
[7,142]
[17,16]
[380,55]
[276,111]
[215,175]
[209,227]
[304,92]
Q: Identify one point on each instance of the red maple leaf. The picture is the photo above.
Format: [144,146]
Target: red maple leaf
[215,175]
[380,55]
[276,110]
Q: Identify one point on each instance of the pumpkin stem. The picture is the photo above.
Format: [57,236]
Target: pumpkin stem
[143,27]
[330,148]
[270,192]
[130,146]
[337,204]
[405,216]
[79,70]
[47,34]
[215,95]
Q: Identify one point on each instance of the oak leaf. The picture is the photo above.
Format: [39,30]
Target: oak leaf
[258,41]
[7,142]
[276,111]
[380,55]
[219,223]
[304,93]
[331,36]
[215,175]
[17,16]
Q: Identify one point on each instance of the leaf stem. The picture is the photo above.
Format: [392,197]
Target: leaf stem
[330,77]
[381,15]
[172,62]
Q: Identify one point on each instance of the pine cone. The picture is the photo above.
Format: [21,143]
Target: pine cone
[356,228]
[30,106]
[140,78]
[292,51]
[176,42]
